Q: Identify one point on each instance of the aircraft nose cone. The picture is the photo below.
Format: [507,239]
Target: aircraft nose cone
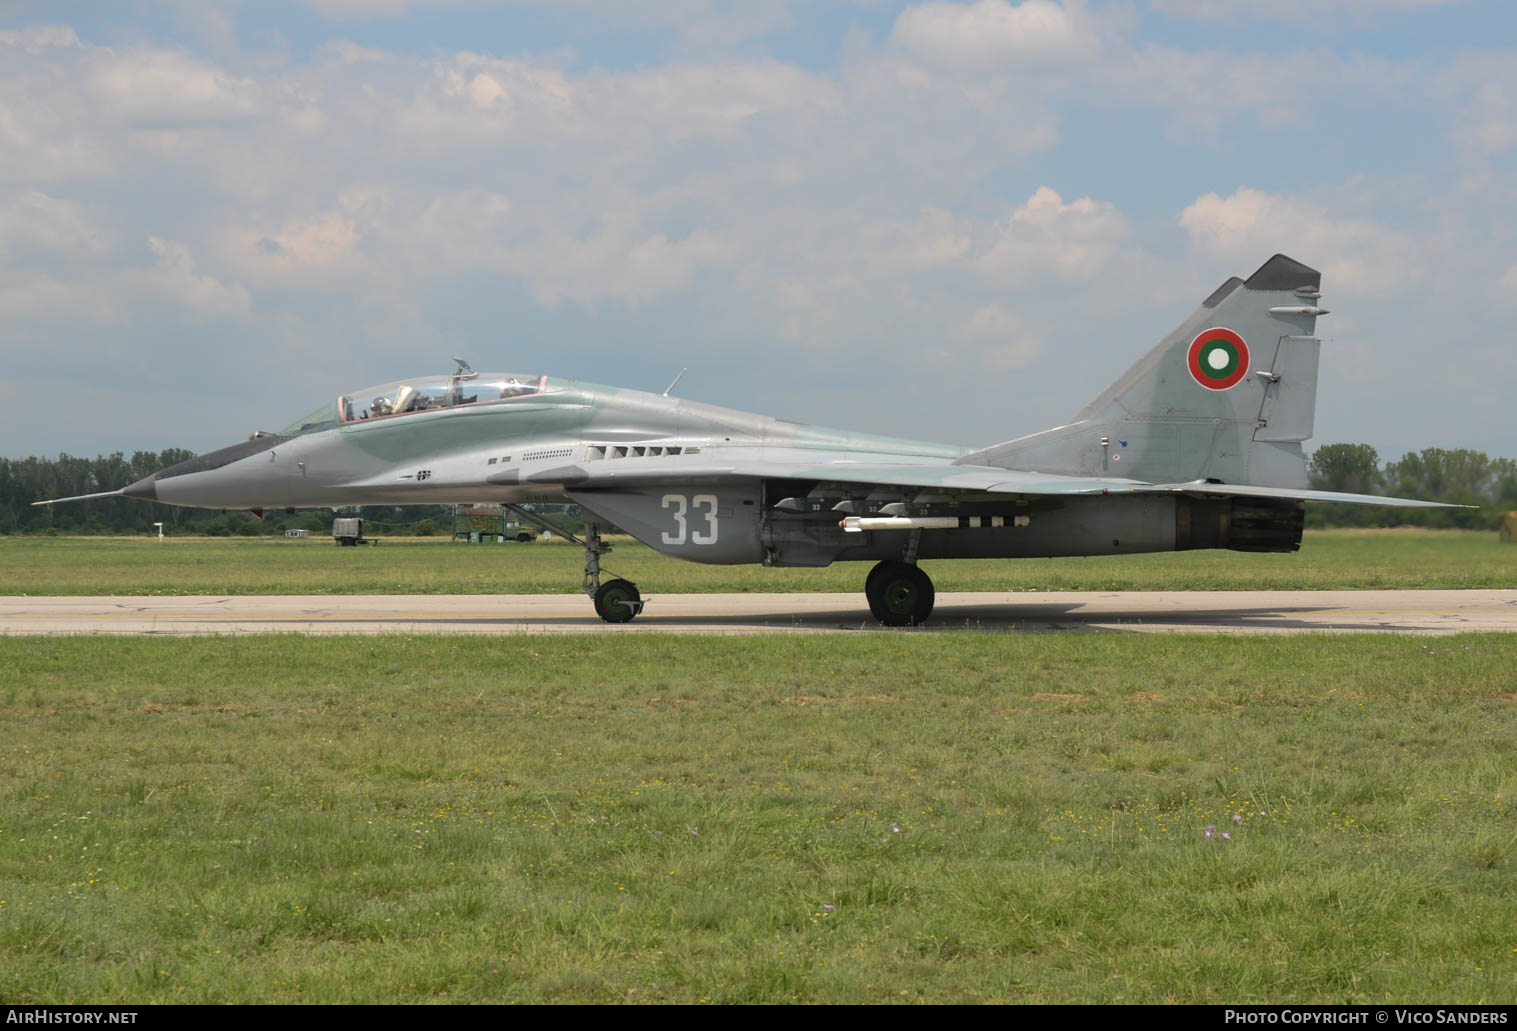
[145,488]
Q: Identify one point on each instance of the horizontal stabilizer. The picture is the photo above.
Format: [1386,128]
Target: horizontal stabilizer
[1232,490]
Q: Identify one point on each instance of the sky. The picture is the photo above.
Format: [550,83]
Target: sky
[950,221]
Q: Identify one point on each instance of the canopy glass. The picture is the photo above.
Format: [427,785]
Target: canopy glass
[425,394]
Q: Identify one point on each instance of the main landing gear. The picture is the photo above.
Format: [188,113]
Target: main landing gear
[899,594]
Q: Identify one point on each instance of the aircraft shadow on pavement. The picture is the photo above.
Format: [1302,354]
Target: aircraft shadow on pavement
[1036,617]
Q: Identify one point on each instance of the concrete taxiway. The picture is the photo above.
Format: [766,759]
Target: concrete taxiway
[1422,612]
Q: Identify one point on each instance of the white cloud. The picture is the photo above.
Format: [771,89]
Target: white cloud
[1489,124]
[169,89]
[320,251]
[989,33]
[363,10]
[35,298]
[997,340]
[46,133]
[38,38]
[472,100]
[173,277]
[1046,239]
[470,229]
[1506,295]
[1204,89]
[616,266]
[35,225]
[700,23]
[889,248]
[1289,10]
[82,289]
[846,217]
[1357,256]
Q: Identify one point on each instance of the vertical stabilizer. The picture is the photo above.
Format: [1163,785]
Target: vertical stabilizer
[1229,395]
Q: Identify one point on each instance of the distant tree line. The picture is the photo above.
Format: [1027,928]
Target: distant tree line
[1460,476]
[25,480]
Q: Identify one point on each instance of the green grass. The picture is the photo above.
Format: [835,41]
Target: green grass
[1328,560]
[1005,818]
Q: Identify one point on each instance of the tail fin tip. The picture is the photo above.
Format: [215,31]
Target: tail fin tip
[1283,273]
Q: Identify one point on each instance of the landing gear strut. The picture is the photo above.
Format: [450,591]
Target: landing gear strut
[616,601]
[899,594]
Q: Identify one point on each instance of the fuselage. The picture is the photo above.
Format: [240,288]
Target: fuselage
[532,446]
[694,481]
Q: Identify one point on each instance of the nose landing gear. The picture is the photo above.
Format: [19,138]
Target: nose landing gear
[616,601]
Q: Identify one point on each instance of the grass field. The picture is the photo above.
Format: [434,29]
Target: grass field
[838,819]
[1333,559]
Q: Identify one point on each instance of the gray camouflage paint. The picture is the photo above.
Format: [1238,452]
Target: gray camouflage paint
[1124,475]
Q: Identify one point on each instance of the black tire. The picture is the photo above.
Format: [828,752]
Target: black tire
[617,601]
[870,595]
[899,594]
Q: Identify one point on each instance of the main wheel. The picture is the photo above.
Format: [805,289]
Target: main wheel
[617,601]
[899,594]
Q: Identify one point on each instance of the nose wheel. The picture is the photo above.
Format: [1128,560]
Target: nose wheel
[899,594]
[617,601]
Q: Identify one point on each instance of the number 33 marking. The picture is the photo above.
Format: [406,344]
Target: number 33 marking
[695,505]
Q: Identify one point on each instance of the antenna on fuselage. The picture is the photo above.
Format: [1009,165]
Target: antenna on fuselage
[681,376]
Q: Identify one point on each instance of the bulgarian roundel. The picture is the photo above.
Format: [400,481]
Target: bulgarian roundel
[1218,358]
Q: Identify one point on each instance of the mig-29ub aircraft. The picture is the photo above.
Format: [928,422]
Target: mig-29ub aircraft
[1198,445]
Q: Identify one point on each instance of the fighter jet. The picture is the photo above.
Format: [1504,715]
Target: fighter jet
[1198,445]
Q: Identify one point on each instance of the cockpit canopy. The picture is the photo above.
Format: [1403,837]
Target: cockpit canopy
[425,394]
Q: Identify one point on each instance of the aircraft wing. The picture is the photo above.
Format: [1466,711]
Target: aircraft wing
[927,475]
[1011,481]
[987,479]
[940,477]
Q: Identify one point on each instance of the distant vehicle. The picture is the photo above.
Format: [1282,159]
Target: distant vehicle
[1198,445]
[484,523]
[348,532]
